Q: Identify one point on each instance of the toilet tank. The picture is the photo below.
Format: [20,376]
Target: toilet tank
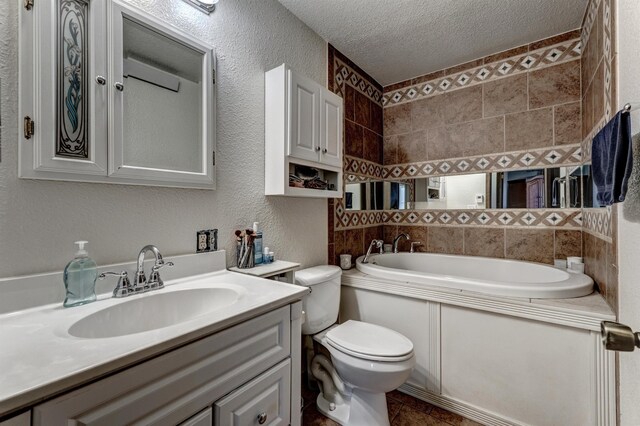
[322,304]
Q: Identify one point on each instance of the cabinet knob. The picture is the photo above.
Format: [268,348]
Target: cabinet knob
[101,80]
[119,86]
[317,148]
[262,418]
[324,150]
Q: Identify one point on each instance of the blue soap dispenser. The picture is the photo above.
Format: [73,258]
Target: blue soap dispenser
[80,278]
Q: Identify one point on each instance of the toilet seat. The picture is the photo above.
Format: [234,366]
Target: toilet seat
[370,342]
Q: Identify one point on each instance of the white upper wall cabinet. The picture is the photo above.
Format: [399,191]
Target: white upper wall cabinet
[304,117]
[303,136]
[111,94]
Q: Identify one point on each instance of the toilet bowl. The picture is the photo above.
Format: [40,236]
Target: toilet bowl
[367,360]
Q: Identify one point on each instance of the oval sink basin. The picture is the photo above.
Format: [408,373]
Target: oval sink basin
[152,311]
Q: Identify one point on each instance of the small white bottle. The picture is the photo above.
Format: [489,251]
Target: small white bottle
[80,278]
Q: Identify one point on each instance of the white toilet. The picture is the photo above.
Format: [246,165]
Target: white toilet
[367,360]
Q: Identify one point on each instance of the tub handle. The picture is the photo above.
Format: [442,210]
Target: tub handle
[414,244]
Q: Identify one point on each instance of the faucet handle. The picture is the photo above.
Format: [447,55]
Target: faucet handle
[413,246]
[154,278]
[158,266]
[124,285]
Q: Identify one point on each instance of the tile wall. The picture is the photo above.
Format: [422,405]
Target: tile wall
[363,146]
[514,109]
[598,103]
[533,105]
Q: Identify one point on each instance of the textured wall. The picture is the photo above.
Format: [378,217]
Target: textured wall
[627,60]
[39,220]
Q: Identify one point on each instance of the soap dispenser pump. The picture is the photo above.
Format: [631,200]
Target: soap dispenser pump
[80,278]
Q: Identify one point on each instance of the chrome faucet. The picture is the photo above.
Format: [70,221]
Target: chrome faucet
[397,239]
[154,282]
[125,288]
[378,244]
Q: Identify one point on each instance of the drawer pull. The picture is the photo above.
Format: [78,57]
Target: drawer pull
[262,418]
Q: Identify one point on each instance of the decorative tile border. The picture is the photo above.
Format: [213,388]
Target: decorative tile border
[511,218]
[589,19]
[357,219]
[608,59]
[597,222]
[564,155]
[541,58]
[344,74]
[362,168]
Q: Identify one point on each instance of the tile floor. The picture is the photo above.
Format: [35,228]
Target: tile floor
[404,410]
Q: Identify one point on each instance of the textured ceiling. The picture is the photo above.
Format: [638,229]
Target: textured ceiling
[394,40]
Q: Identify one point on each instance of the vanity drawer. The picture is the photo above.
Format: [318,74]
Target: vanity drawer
[173,387]
[265,400]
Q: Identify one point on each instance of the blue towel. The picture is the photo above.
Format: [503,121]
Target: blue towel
[612,159]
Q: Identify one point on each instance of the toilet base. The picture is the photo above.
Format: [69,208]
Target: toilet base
[362,409]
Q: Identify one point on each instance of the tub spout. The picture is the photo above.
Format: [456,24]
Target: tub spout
[333,388]
[397,239]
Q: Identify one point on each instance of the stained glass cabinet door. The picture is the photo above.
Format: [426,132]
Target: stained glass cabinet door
[63,92]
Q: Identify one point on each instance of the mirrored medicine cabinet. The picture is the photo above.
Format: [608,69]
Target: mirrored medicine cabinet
[555,187]
[109,93]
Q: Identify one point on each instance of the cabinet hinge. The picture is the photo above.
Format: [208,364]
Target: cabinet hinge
[28,4]
[214,76]
[29,127]
[214,158]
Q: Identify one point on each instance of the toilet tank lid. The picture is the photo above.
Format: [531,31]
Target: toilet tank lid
[317,274]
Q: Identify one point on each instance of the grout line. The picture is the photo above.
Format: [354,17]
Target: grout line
[553,125]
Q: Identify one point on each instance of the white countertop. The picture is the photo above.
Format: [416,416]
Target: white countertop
[40,358]
[268,269]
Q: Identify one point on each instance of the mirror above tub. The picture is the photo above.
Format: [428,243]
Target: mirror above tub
[559,187]
[135,98]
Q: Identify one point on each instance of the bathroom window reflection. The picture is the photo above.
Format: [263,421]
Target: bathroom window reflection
[556,187]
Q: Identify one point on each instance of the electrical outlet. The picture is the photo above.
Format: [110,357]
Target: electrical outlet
[202,242]
[206,240]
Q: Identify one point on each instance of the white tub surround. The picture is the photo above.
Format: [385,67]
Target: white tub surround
[500,277]
[46,358]
[494,359]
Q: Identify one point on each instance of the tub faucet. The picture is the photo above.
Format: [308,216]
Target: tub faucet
[378,244]
[154,281]
[397,239]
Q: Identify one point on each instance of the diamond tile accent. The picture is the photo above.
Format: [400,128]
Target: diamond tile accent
[553,55]
[504,68]
[444,167]
[554,218]
[484,218]
[483,73]
[528,61]
[445,217]
[505,218]
[463,79]
[552,157]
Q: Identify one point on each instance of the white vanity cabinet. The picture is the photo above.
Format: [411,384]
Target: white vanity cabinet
[111,94]
[243,375]
[303,128]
